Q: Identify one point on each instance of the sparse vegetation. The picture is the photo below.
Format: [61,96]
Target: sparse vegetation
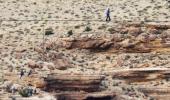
[111,30]
[25,92]
[70,32]
[87,29]
[49,31]
[77,27]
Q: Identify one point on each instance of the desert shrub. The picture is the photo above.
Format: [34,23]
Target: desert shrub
[77,27]
[111,30]
[49,31]
[25,92]
[87,29]
[70,32]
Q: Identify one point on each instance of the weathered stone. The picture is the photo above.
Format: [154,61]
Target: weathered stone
[62,64]
[39,50]
[142,74]
[153,31]
[67,82]
[33,64]
[134,24]
[143,37]
[152,37]
[88,43]
[86,96]
[127,43]
[20,50]
[165,34]
[134,31]
[155,25]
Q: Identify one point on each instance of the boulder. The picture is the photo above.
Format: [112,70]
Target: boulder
[62,64]
[127,43]
[32,64]
[153,31]
[134,31]
[20,50]
[152,37]
[165,34]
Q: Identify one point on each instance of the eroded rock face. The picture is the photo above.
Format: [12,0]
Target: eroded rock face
[34,80]
[134,31]
[33,64]
[142,74]
[154,25]
[60,64]
[139,44]
[50,69]
[88,43]
[143,38]
[67,82]
[87,96]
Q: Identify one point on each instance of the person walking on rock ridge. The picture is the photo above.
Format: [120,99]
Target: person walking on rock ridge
[107,14]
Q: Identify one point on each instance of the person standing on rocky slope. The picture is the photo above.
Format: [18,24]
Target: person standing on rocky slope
[107,14]
[29,72]
[22,73]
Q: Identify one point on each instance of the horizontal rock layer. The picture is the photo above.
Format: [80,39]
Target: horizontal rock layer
[64,82]
[131,38]
[105,95]
[144,76]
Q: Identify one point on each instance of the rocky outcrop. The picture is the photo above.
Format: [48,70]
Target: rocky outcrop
[155,25]
[87,43]
[105,95]
[134,31]
[34,80]
[67,82]
[126,45]
[142,74]
[51,60]
[142,77]
[159,93]
[136,38]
